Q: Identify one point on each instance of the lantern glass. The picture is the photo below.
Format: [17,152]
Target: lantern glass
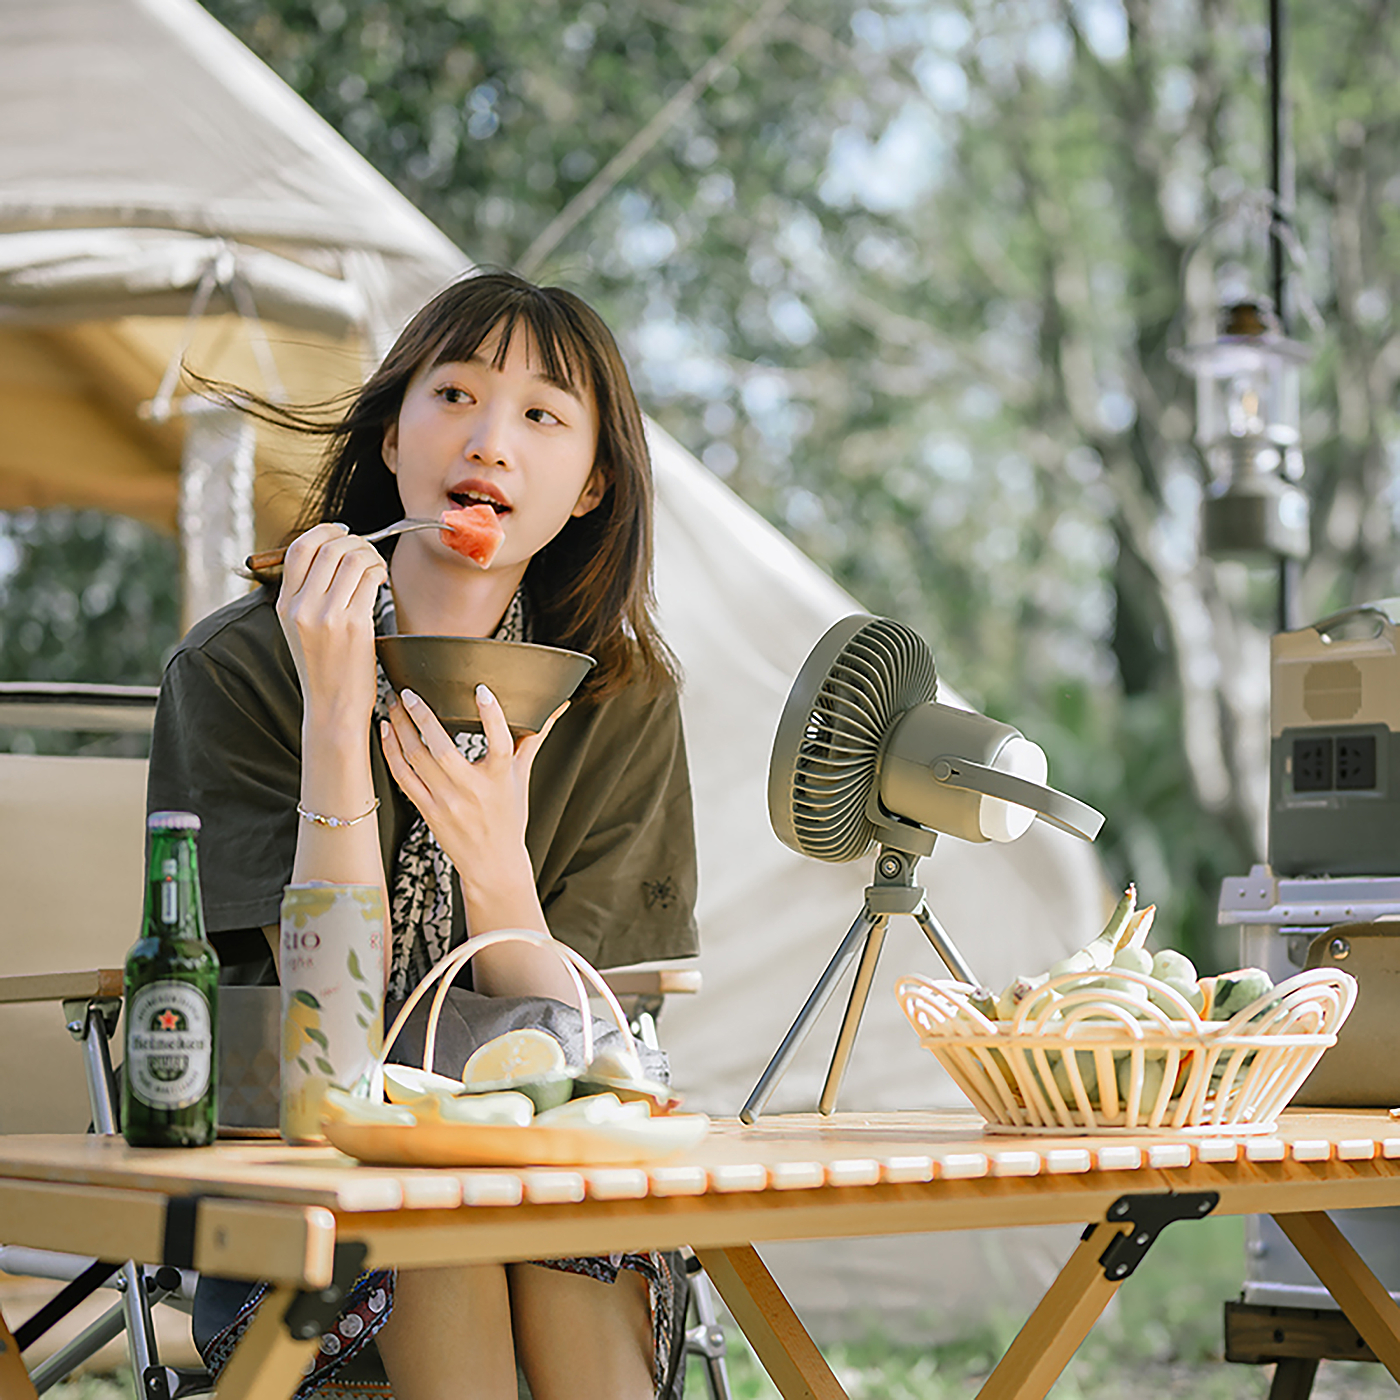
[1248,430]
[1247,391]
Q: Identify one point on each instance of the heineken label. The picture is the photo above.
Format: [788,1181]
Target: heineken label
[169,1045]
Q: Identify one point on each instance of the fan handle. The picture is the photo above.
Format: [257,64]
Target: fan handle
[1049,804]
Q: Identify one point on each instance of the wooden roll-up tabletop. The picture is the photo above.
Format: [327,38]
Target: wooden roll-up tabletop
[296,1216]
[785,1177]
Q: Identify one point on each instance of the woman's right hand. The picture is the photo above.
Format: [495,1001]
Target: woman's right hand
[326,608]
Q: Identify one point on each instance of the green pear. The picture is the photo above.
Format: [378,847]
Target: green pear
[1133,960]
[1236,990]
[1171,966]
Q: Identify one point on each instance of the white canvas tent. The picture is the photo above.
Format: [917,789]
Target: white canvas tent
[150,165]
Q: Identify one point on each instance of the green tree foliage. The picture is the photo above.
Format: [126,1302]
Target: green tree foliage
[84,596]
[906,274]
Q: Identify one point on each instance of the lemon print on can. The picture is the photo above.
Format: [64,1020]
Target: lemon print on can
[302,1034]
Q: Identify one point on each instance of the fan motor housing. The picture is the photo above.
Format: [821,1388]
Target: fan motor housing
[921,738]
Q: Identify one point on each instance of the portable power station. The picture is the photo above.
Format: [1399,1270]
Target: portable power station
[1334,762]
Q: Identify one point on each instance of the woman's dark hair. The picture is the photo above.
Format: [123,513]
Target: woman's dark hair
[590,587]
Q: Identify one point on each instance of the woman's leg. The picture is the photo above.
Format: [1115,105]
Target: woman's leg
[450,1335]
[579,1339]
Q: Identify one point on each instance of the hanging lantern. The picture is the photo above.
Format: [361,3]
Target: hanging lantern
[1247,429]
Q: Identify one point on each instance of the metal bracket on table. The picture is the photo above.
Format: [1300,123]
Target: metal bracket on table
[1148,1214]
[312,1312]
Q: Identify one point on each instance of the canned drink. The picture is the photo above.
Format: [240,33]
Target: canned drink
[332,974]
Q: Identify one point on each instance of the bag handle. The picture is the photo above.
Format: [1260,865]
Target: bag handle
[445,971]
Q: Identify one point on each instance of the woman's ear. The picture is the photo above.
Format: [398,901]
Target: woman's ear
[594,492]
[389,449]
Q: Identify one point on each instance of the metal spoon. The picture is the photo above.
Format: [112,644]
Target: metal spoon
[271,558]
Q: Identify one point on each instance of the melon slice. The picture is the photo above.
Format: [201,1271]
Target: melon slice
[473,531]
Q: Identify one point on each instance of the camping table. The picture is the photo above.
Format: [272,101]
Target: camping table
[307,1218]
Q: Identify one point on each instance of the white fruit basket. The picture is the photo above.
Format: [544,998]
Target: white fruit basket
[1096,1059]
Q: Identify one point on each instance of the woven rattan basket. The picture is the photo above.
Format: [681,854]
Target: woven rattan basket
[1103,1060]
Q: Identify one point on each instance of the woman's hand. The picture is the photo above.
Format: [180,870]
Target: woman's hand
[326,607]
[477,811]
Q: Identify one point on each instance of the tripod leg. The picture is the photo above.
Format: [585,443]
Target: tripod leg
[855,1009]
[821,993]
[944,946]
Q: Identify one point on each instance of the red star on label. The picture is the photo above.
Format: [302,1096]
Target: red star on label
[168,1021]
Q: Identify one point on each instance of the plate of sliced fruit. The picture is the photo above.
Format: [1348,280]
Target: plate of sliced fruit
[518,1102]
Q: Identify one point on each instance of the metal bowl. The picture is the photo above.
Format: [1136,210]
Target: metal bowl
[531,682]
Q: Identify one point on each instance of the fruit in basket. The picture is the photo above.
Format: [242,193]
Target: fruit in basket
[518,1054]
[507,1108]
[1171,966]
[1189,992]
[593,1111]
[1134,960]
[405,1083]
[1017,990]
[1236,990]
[347,1108]
[1087,1065]
[612,1072]
[527,1060]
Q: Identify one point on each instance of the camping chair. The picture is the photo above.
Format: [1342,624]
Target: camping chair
[97,805]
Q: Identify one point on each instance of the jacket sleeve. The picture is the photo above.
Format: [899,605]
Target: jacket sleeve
[612,832]
[227,746]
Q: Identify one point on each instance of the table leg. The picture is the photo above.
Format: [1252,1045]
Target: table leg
[774,1331]
[1345,1275]
[14,1379]
[268,1363]
[1060,1322]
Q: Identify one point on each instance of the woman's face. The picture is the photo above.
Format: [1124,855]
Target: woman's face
[469,432]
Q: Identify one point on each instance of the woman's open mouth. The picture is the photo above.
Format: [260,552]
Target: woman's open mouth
[479,494]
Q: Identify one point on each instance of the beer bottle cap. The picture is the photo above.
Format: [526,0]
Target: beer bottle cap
[172,821]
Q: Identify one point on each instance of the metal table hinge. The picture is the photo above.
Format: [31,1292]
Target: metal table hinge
[313,1312]
[1148,1214]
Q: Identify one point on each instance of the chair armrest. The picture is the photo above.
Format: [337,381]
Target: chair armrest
[100,983]
[653,981]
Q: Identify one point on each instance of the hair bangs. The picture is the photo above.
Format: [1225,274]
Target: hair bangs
[549,334]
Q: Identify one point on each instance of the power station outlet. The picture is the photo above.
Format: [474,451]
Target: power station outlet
[1356,762]
[1312,765]
[1344,763]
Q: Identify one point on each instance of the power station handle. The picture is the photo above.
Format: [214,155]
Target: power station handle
[1376,610]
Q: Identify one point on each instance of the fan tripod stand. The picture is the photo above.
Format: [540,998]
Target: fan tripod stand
[893,892]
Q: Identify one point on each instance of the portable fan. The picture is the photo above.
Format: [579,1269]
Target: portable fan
[865,754]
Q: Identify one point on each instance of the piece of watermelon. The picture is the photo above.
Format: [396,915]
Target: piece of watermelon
[473,531]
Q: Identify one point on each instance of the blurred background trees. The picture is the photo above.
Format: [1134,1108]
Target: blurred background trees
[905,275]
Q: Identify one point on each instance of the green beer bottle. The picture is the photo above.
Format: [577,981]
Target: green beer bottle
[169,1076]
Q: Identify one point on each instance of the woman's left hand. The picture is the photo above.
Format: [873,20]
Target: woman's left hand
[477,811]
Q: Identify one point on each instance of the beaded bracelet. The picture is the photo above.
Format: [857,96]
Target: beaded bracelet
[318,819]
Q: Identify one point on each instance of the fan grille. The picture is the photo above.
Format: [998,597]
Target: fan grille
[881,671]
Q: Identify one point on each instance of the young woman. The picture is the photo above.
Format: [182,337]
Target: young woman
[277,727]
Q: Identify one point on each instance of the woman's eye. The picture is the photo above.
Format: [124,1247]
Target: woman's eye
[453,393]
[542,415]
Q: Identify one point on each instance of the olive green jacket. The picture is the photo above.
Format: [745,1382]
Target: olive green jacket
[610,835]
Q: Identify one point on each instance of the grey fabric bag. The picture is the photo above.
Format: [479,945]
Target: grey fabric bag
[469,1019]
